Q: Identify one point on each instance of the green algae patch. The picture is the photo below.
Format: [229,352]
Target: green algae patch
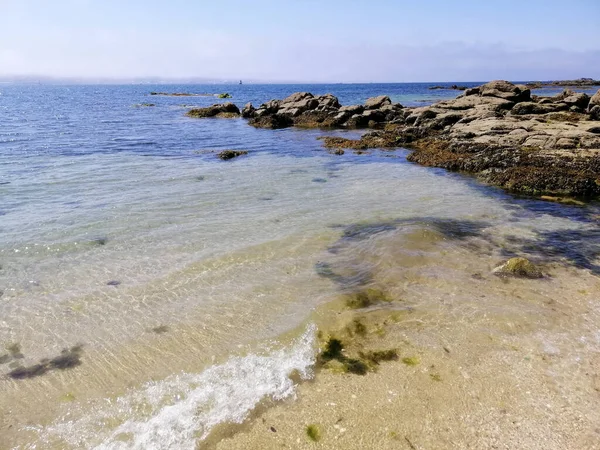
[411,360]
[68,397]
[224,95]
[366,297]
[519,267]
[435,377]
[313,432]
[355,366]
[377,356]
[333,350]
[357,328]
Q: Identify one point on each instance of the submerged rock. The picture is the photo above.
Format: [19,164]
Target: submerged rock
[519,267]
[230,154]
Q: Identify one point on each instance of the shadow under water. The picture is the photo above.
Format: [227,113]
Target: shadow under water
[68,359]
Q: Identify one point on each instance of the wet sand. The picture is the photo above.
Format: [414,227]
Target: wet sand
[483,362]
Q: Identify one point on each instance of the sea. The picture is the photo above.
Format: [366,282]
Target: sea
[150,292]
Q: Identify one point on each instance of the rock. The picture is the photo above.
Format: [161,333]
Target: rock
[271,106]
[230,154]
[217,110]
[472,91]
[373,114]
[353,109]
[518,267]
[315,119]
[356,121]
[248,111]
[297,108]
[524,108]
[595,100]
[474,100]
[272,121]
[595,113]
[580,100]
[224,95]
[505,90]
[377,102]
[594,130]
[296,97]
[327,101]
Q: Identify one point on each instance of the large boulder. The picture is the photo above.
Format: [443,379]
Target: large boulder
[578,99]
[327,101]
[595,112]
[505,90]
[377,102]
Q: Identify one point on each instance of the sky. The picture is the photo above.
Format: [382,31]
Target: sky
[301,40]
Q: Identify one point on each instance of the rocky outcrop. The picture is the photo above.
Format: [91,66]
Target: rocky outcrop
[527,144]
[303,109]
[581,82]
[226,110]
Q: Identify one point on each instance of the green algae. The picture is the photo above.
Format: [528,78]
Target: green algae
[519,267]
[377,356]
[355,366]
[411,360]
[366,297]
[333,350]
[435,376]
[313,432]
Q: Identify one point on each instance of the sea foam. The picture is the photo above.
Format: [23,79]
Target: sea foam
[179,411]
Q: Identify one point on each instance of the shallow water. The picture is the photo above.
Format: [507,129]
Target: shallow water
[122,233]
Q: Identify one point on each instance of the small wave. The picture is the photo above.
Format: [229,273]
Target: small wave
[180,410]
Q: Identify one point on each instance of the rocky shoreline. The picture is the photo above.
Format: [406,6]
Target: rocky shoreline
[498,131]
[581,82]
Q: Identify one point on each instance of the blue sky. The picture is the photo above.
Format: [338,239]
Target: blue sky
[301,40]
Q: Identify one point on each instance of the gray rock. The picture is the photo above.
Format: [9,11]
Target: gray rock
[505,90]
[353,109]
[579,99]
[524,108]
[298,96]
[248,111]
[595,112]
[595,100]
[327,101]
[471,91]
[377,102]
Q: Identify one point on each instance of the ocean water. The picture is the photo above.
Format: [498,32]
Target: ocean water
[150,292]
